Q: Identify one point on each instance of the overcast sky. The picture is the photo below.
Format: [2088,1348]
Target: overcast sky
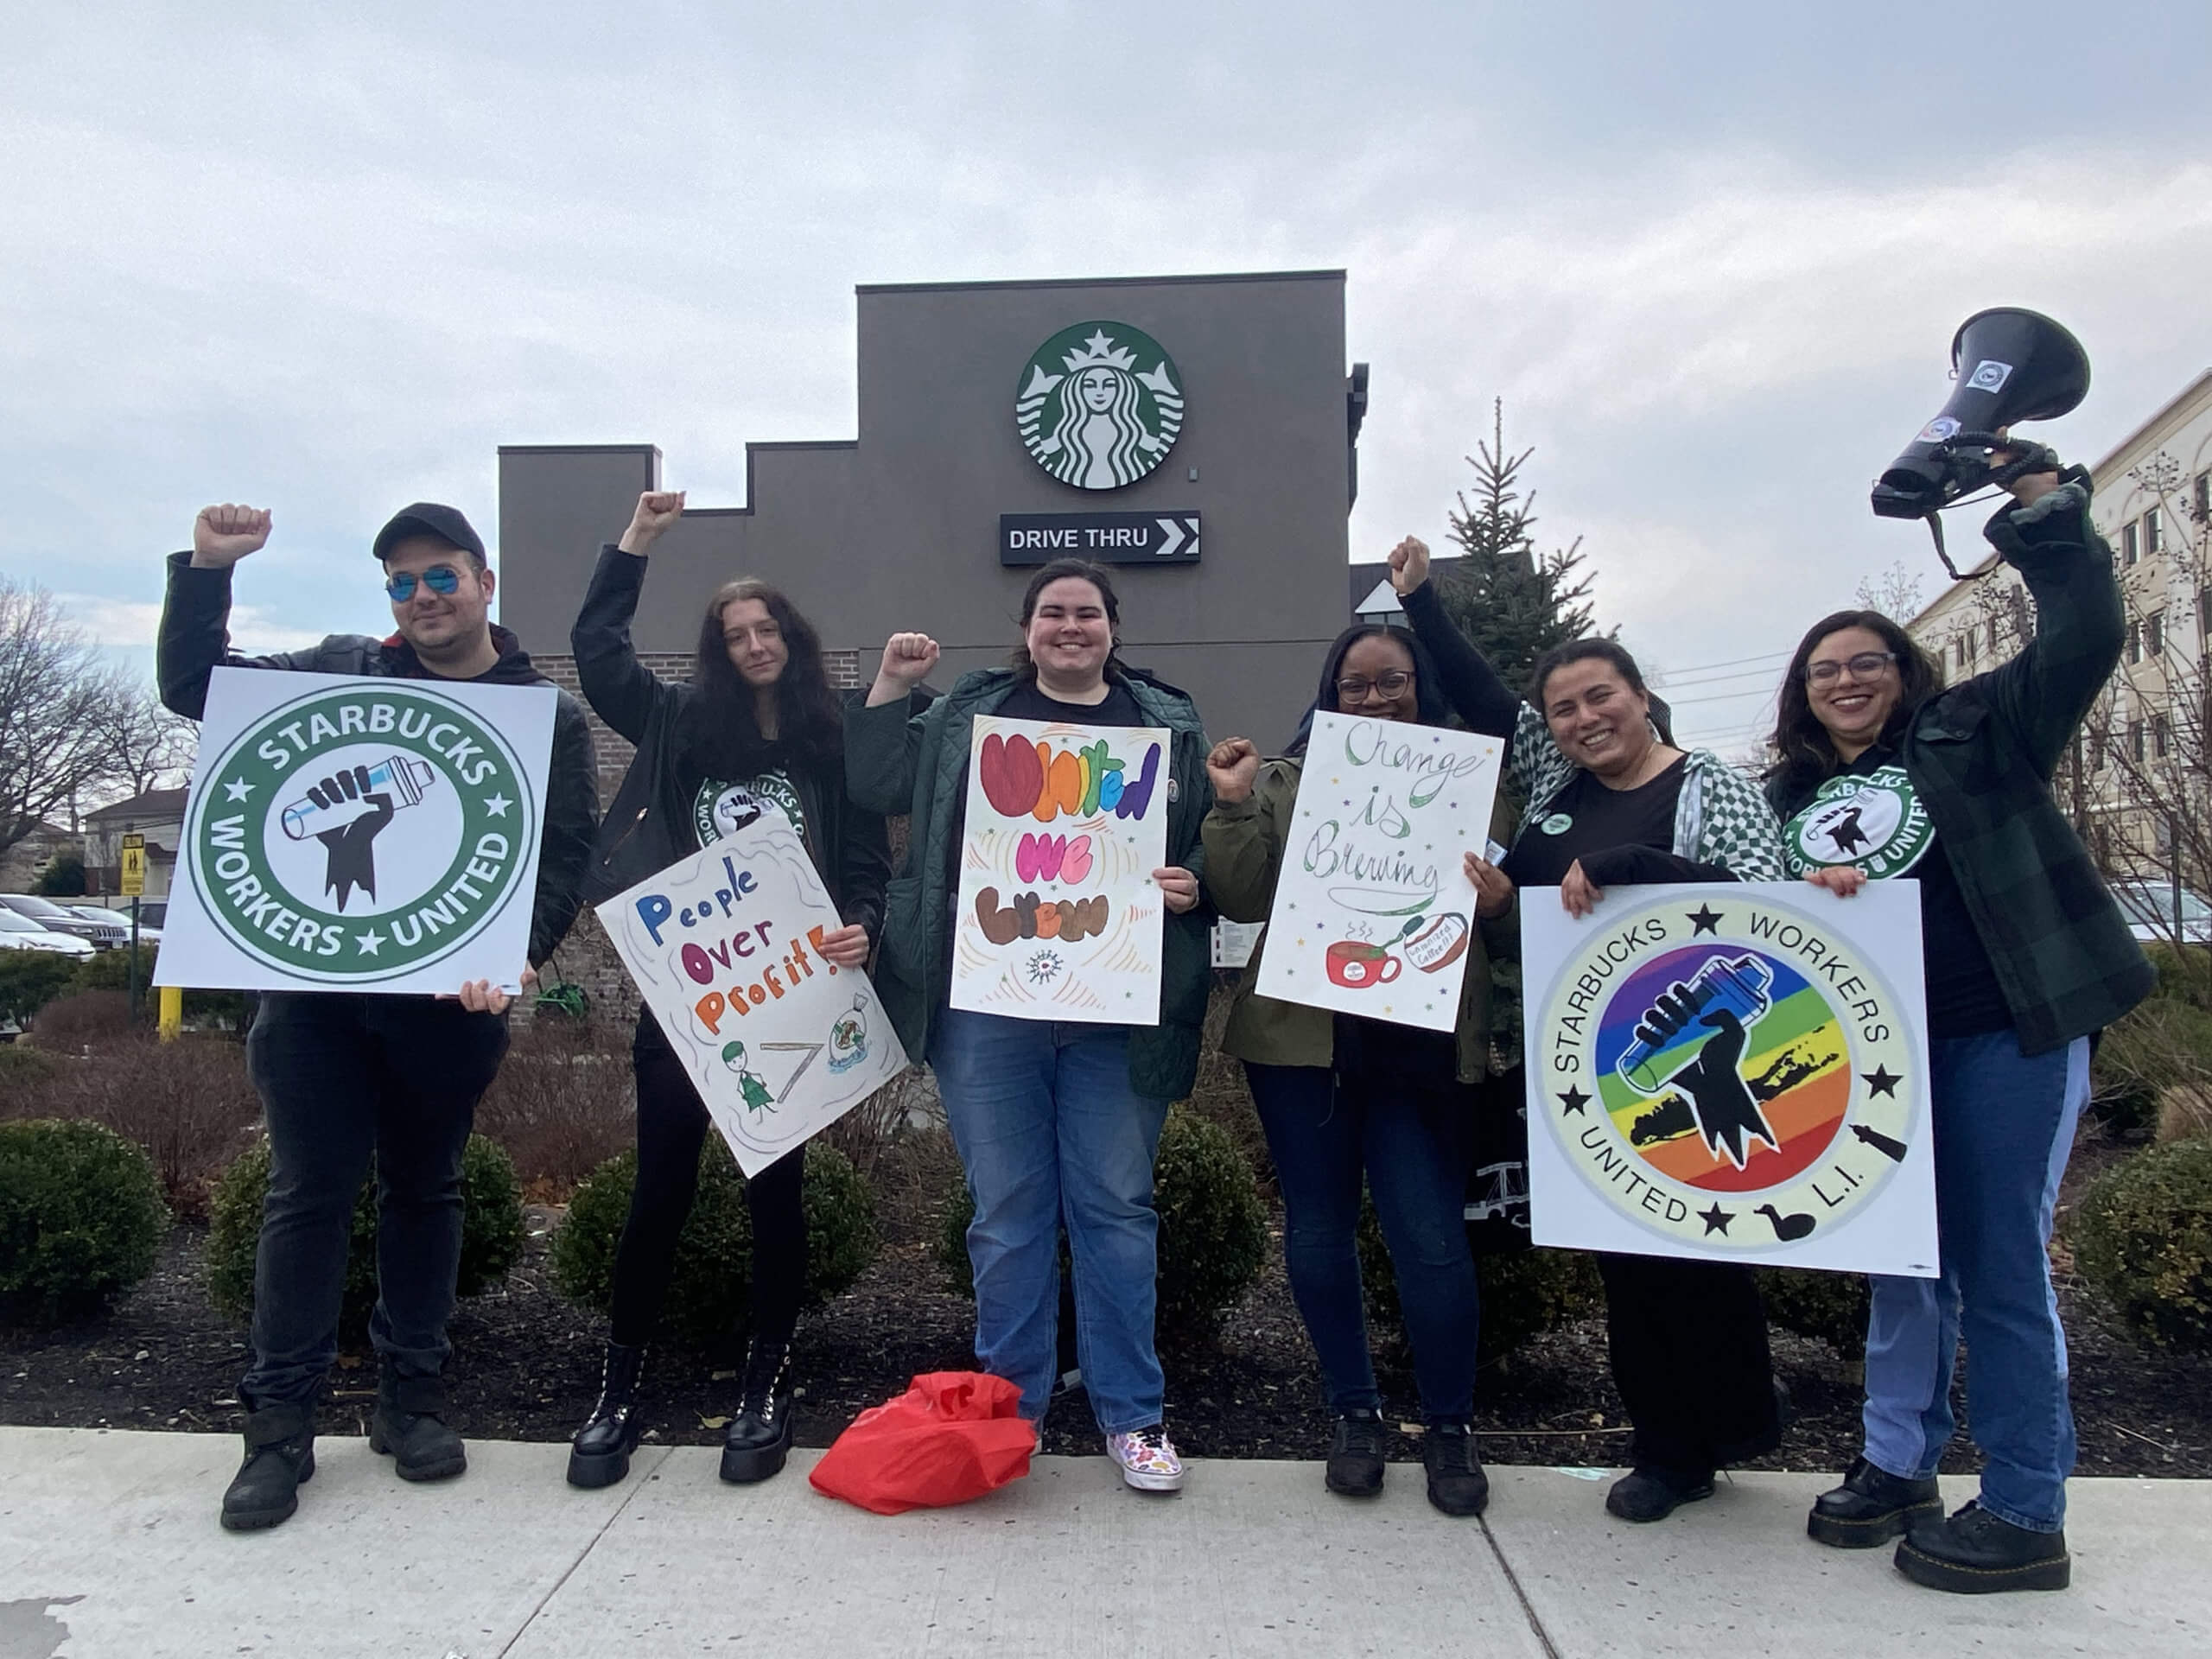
[262,252]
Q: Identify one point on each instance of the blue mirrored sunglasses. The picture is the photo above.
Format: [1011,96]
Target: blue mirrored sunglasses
[439,579]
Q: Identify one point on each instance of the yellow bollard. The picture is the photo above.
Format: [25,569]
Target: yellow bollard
[172,1014]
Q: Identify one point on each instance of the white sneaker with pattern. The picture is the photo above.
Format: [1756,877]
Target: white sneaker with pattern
[1148,1459]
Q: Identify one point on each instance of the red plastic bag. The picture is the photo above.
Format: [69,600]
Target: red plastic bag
[952,1436]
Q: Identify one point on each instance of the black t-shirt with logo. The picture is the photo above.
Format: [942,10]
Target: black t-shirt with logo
[1869,815]
[1586,818]
[720,809]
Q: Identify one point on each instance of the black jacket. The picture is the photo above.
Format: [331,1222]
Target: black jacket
[195,641]
[648,826]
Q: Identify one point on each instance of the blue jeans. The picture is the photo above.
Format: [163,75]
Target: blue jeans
[1051,1133]
[1412,1144]
[2003,1125]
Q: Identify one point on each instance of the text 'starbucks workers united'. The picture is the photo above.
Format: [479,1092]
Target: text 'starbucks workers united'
[1099,405]
[1875,823]
[360,831]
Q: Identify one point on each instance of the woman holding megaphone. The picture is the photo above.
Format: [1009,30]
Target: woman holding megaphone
[2026,955]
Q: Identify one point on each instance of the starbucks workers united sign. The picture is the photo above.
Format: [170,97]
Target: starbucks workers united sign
[1099,405]
[360,834]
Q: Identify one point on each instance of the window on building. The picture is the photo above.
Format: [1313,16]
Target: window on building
[1993,636]
[2154,634]
[2097,750]
[2135,740]
[2203,617]
[2154,526]
[2162,737]
[2135,642]
[2131,542]
[2204,493]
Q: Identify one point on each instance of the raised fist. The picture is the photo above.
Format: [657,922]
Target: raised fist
[907,658]
[1408,565]
[1232,764]
[222,535]
[656,511]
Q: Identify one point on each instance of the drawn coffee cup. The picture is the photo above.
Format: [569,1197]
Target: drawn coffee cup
[1356,964]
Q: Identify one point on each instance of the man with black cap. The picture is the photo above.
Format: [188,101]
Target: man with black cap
[343,1074]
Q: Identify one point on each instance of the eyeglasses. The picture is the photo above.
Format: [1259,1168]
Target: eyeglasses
[1866,665]
[441,579]
[1392,684]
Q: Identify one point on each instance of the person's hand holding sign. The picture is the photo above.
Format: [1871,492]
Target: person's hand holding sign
[222,535]
[1178,887]
[656,511]
[482,996]
[1233,764]
[845,947]
[907,660]
[1493,887]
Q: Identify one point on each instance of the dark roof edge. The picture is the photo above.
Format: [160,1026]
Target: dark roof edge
[580,449]
[1101,282]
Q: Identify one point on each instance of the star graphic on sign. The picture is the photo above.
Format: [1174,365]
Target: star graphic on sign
[238,789]
[367,943]
[497,805]
[1574,1100]
[1880,1081]
[1705,918]
[1716,1220]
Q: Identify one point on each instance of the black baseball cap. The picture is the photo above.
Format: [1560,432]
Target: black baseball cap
[429,518]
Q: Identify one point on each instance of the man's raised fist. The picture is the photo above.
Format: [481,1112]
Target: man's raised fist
[222,535]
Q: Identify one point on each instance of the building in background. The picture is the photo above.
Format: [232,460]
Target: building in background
[2139,780]
[1198,433]
[158,815]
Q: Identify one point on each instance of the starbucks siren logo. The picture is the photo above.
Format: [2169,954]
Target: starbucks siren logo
[1875,823]
[1729,1075]
[1099,406]
[359,832]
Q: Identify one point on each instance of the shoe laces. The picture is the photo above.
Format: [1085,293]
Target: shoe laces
[762,1379]
[1361,1434]
[1153,1441]
[1451,1448]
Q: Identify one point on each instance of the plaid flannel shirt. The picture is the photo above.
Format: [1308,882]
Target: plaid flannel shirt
[1721,818]
[1981,755]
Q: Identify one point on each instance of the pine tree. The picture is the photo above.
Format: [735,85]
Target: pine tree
[1514,602]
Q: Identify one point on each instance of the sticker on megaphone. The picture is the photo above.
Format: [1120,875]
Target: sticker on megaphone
[321,812]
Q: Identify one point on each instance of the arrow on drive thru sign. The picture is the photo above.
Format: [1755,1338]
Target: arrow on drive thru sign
[1177,531]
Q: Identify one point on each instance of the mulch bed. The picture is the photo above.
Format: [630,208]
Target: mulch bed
[526,1367]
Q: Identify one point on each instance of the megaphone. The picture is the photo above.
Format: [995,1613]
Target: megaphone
[2010,365]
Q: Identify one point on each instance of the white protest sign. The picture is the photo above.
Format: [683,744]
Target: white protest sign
[1735,1071]
[358,834]
[1373,908]
[725,946]
[1058,916]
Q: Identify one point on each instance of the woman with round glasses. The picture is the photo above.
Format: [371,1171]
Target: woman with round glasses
[1881,773]
[1342,1098]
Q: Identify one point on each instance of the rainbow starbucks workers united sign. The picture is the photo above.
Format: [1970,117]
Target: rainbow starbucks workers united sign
[359,833]
[1738,1072]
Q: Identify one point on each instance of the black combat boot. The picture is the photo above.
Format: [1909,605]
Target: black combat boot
[409,1427]
[1871,1507]
[1975,1552]
[599,1452]
[279,1455]
[760,1436]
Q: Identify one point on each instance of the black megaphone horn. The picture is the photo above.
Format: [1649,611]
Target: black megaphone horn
[2010,365]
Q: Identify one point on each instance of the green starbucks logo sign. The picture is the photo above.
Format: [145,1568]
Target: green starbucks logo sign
[359,832]
[1876,823]
[1099,405]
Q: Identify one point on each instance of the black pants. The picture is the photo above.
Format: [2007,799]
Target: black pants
[672,1127]
[1689,1353]
[342,1075]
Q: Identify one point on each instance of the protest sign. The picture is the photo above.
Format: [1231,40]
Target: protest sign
[1058,916]
[1735,1072]
[1373,908]
[725,946]
[358,834]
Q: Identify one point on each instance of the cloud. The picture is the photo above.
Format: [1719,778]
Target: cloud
[133,625]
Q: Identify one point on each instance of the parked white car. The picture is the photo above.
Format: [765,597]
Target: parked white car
[147,933]
[59,918]
[2149,907]
[20,933]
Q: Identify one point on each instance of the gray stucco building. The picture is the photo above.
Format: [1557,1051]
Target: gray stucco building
[1217,447]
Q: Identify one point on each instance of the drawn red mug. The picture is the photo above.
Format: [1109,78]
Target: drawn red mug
[1356,964]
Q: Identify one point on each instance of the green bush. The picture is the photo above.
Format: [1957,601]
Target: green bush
[62,878]
[711,1287]
[490,1229]
[2142,1236]
[110,969]
[31,979]
[2164,1043]
[1830,1306]
[1524,1293]
[24,1071]
[80,1218]
[1213,1232]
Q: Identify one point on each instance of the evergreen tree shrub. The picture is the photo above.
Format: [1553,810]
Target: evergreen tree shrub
[2142,1237]
[81,1219]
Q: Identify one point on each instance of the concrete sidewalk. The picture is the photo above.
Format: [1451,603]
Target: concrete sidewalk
[109,1549]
